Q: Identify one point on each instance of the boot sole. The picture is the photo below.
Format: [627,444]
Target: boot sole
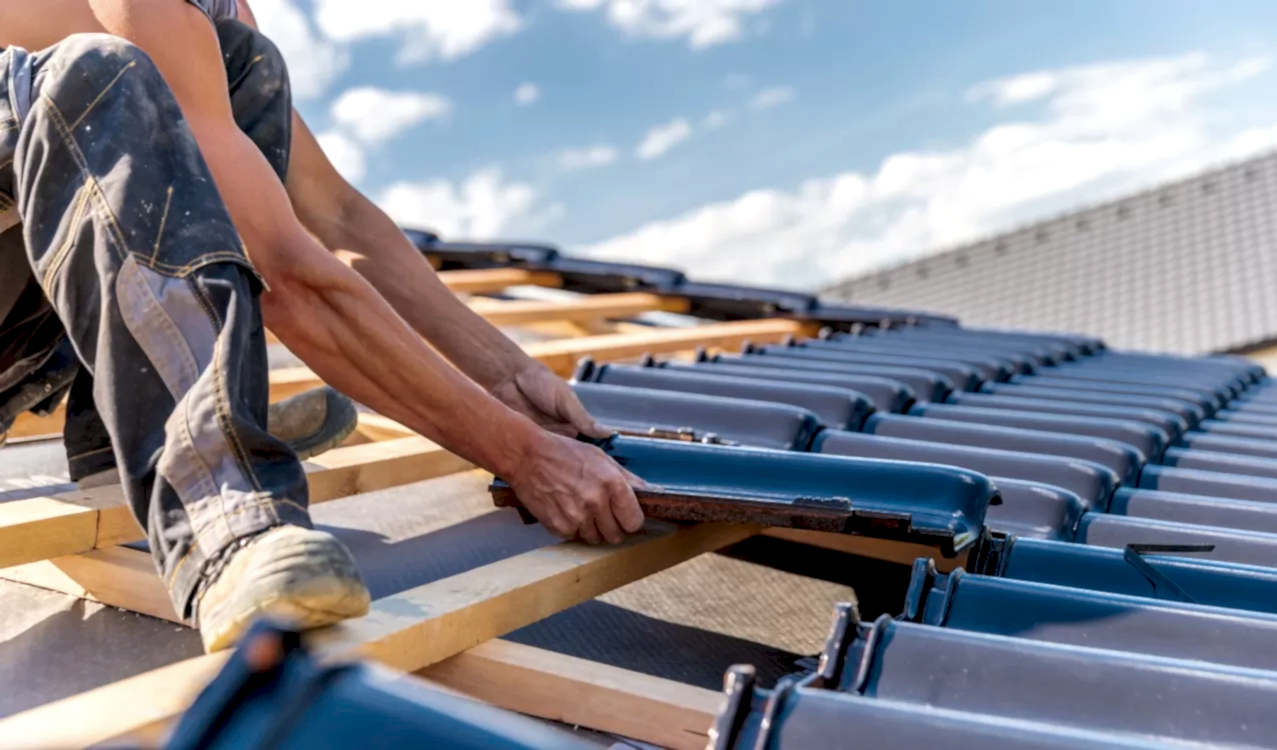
[340,423]
[304,612]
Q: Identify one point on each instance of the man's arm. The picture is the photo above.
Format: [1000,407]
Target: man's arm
[361,234]
[337,323]
[345,221]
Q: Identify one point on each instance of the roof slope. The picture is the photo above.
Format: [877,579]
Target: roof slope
[1189,267]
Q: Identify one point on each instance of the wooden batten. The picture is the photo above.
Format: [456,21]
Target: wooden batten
[582,310]
[490,280]
[582,693]
[903,553]
[515,677]
[562,356]
[408,631]
[77,522]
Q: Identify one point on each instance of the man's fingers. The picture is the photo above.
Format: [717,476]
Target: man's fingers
[581,419]
[556,524]
[637,482]
[625,507]
[589,533]
[608,526]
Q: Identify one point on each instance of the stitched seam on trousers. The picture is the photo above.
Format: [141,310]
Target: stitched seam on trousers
[180,372]
[293,503]
[172,579]
[215,375]
[272,519]
[184,465]
[219,256]
[86,454]
[98,100]
[59,257]
[221,399]
[77,154]
[251,64]
[159,236]
[196,533]
[207,485]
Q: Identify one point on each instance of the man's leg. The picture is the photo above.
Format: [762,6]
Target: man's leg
[313,422]
[132,244]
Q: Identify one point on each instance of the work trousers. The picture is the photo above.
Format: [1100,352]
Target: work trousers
[129,239]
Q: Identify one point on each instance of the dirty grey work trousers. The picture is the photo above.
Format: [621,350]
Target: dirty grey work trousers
[129,240]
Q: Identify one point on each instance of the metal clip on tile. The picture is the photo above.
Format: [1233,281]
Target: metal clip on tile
[1162,584]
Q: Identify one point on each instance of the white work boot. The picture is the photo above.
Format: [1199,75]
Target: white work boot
[304,578]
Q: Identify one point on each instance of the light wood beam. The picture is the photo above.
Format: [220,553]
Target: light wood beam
[584,309]
[409,631]
[74,523]
[903,553]
[28,425]
[491,280]
[583,693]
[562,356]
[512,676]
[515,677]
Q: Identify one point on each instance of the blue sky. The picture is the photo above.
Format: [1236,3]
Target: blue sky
[787,142]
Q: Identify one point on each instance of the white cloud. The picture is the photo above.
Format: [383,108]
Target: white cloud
[527,93]
[345,154]
[772,97]
[484,206]
[1103,129]
[704,23]
[715,120]
[660,139]
[374,115]
[445,29]
[586,158]
[1017,89]
[313,61]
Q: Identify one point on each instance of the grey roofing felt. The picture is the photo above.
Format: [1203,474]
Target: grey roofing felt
[1189,267]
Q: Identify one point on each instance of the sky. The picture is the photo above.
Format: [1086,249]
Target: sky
[789,143]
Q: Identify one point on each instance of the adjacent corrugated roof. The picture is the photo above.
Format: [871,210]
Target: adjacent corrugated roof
[1189,267]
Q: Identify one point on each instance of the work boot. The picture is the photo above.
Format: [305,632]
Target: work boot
[312,423]
[305,578]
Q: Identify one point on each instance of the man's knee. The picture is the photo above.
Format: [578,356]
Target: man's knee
[91,66]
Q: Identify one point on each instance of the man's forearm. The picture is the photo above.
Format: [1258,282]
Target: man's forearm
[338,324]
[379,252]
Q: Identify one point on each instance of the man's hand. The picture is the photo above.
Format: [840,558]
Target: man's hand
[546,399]
[577,490]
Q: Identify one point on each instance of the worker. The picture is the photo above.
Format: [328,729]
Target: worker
[162,205]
